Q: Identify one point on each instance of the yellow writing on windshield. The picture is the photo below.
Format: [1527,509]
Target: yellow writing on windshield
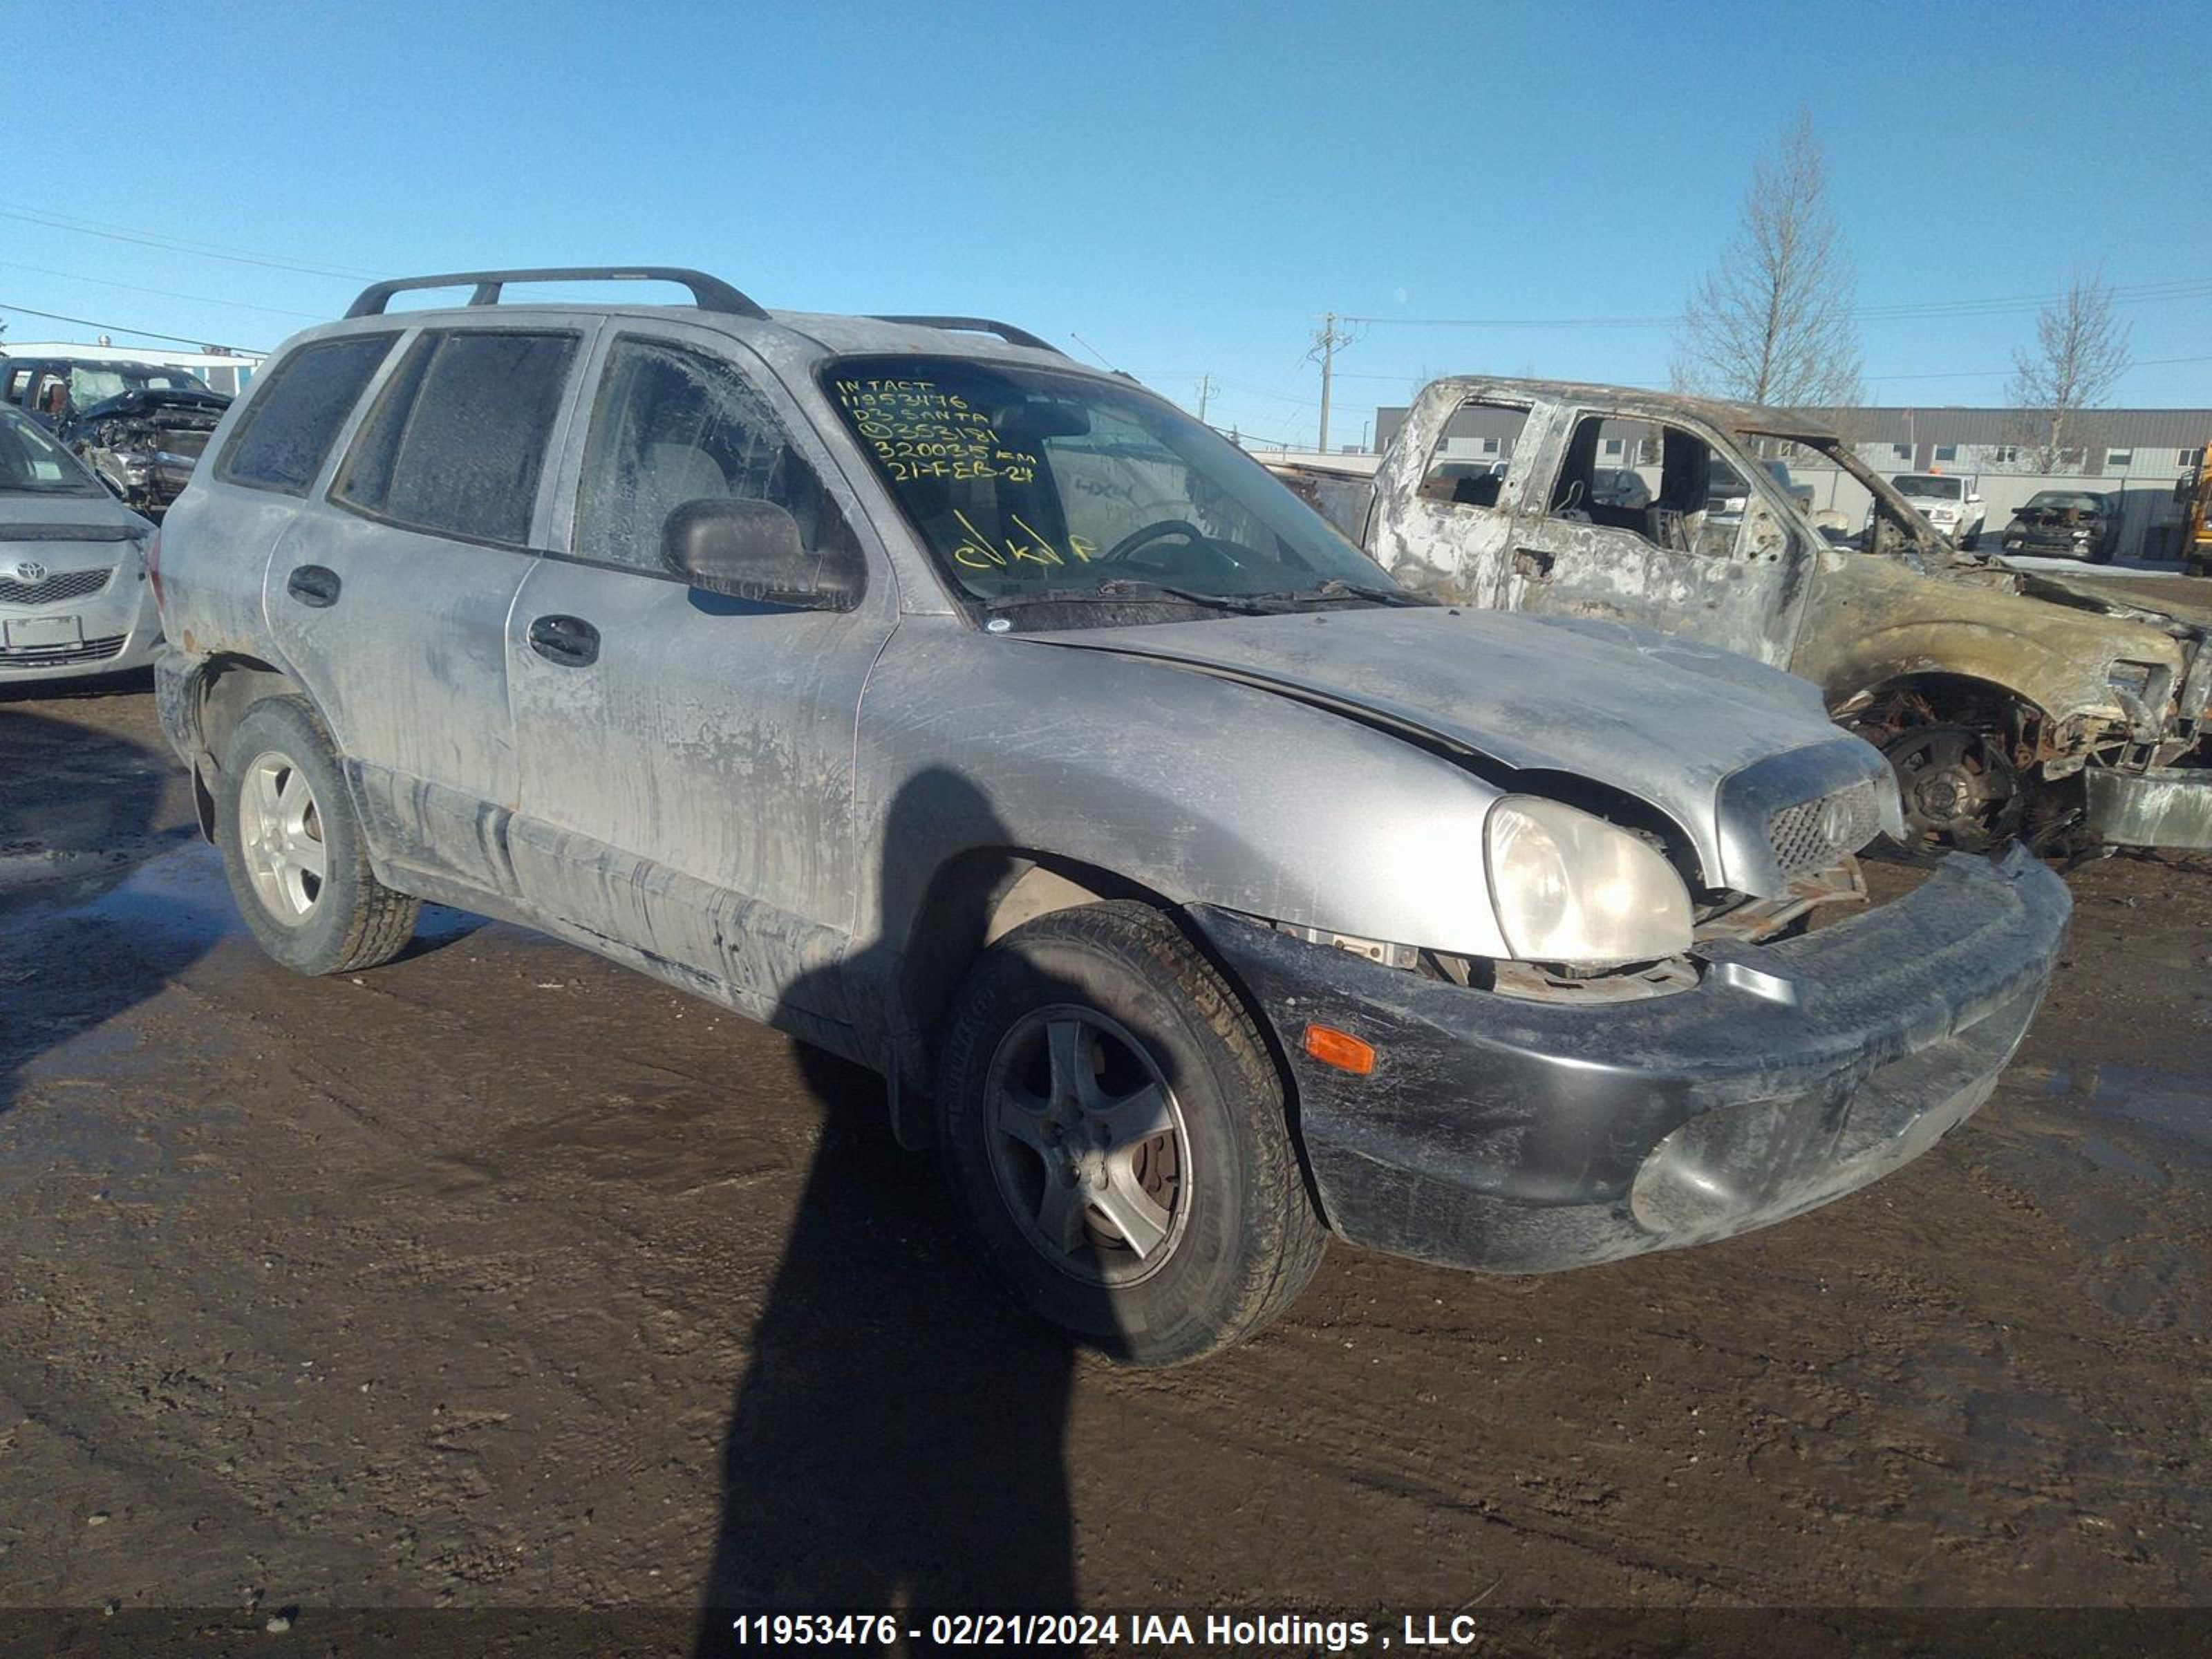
[1030,546]
[916,431]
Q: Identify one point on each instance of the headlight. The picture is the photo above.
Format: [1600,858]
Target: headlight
[1570,887]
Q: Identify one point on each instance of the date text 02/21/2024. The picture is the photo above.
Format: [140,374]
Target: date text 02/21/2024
[1017,1630]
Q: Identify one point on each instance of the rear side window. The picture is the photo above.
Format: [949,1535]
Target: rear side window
[285,436]
[455,445]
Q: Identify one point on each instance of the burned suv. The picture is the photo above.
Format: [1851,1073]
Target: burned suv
[1198,890]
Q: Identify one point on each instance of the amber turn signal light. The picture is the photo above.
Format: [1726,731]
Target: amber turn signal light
[1340,1050]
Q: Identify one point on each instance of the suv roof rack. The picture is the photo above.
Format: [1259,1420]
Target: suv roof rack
[708,293]
[1007,332]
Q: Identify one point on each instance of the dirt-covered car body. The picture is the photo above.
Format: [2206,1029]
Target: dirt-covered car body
[1010,659]
[2030,679]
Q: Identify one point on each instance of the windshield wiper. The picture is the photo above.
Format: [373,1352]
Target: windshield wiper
[1337,588]
[1122,589]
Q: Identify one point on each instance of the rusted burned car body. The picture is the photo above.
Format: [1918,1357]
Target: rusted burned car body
[1993,691]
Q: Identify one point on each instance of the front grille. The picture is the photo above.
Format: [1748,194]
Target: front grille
[52,656]
[1813,834]
[54,587]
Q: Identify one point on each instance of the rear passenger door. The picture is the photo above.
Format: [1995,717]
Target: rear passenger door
[390,597]
[686,759]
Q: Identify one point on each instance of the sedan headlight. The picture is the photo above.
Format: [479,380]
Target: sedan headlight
[1570,887]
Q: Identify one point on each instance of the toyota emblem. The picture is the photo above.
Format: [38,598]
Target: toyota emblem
[29,570]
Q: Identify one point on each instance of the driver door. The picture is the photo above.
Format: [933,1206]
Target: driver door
[1594,545]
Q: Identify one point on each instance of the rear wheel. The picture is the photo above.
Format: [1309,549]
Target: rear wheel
[1117,1136]
[293,852]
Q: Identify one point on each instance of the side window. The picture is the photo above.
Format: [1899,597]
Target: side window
[456,441]
[1472,459]
[673,426]
[18,382]
[283,438]
[1678,495]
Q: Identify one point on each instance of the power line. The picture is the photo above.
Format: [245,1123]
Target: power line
[196,344]
[2175,289]
[163,292]
[179,245]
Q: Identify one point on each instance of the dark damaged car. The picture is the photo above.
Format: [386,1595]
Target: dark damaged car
[140,427]
[2066,524]
[1200,890]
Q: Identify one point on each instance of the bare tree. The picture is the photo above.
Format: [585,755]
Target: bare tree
[2080,352]
[1773,322]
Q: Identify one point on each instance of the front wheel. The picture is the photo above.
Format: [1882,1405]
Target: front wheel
[293,851]
[1116,1137]
[1962,790]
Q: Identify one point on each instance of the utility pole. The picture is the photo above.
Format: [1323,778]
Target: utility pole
[1327,342]
[1205,390]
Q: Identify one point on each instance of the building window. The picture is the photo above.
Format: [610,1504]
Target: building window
[2188,459]
[1613,445]
[1946,452]
[1903,452]
[2004,455]
[2119,458]
[1490,446]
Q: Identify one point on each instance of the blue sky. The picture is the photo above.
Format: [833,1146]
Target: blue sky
[1185,186]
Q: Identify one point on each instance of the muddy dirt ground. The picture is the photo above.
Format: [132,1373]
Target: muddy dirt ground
[502,1277]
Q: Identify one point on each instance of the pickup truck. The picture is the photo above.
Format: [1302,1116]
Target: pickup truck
[1199,892]
[1947,501]
[2073,709]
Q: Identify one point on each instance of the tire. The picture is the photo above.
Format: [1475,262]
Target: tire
[281,790]
[1074,1034]
[1968,542]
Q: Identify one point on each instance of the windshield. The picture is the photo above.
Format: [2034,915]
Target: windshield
[1027,484]
[2064,501]
[32,464]
[1930,488]
[95,383]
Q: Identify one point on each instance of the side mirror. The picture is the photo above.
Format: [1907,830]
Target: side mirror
[1974,498]
[753,550]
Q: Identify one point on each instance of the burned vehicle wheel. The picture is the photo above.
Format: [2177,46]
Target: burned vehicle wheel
[297,866]
[1961,792]
[1117,1138]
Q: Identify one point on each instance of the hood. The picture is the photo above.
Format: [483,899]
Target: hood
[1661,719]
[143,406]
[45,518]
[2182,604]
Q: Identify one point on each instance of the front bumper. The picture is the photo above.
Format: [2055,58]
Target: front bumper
[2164,806]
[1516,1136]
[116,629]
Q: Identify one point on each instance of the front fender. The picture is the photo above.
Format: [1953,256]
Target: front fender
[1202,791]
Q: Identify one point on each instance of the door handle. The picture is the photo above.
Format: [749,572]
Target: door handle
[1532,562]
[314,585]
[567,641]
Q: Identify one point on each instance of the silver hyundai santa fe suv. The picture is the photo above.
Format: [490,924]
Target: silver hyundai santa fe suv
[1199,891]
